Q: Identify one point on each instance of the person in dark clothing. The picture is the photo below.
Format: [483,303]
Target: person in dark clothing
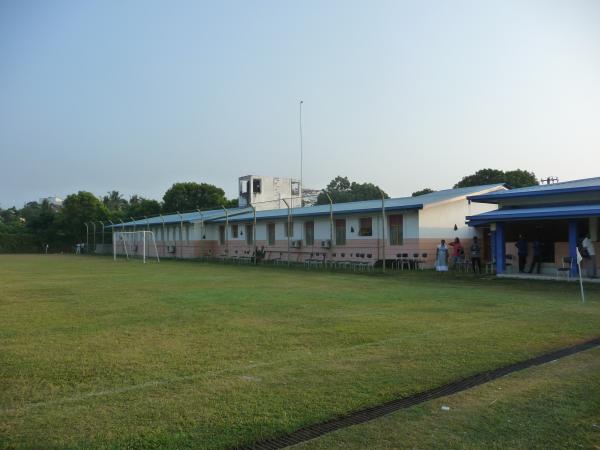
[537,256]
[522,252]
[476,255]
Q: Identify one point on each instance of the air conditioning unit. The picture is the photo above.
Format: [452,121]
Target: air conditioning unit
[326,243]
[296,244]
[171,248]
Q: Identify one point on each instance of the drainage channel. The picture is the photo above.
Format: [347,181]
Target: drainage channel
[364,415]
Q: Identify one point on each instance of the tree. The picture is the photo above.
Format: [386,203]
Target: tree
[342,190]
[78,209]
[140,207]
[190,196]
[422,192]
[114,201]
[520,178]
[515,178]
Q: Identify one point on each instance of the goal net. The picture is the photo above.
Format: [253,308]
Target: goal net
[135,244]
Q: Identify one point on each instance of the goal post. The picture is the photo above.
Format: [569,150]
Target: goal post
[130,242]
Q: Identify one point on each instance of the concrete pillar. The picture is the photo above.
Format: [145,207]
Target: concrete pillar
[500,248]
[573,245]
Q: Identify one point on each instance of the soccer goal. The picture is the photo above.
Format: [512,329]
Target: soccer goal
[135,243]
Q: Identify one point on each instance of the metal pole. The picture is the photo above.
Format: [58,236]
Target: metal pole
[180,232]
[254,233]
[201,232]
[147,223]
[112,229]
[102,223]
[226,230]
[330,217]
[288,230]
[133,220]
[123,239]
[383,228]
[164,237]
[87,236]
[301,153]
[94,238]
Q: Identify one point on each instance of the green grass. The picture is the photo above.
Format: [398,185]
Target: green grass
[97,354]
[554,406]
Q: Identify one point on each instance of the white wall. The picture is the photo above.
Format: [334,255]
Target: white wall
[438,220]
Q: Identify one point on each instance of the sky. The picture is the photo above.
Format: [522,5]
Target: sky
[135,96]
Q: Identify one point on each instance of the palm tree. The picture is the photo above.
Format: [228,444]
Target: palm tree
[114,201]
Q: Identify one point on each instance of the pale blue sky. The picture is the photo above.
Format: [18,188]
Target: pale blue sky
[136,95]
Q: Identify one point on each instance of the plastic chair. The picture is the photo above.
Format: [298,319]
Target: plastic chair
[566,266]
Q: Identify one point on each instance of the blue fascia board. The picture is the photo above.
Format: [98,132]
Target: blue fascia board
[534,215]
[316,214]
[497,197]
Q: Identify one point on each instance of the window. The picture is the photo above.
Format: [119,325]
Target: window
[295,188]
[221,234]
[309,233]
[396,231]
[288,229]
[234,231]
[365,226]
[340,232]
[256,185]
[249,234]
[271,234]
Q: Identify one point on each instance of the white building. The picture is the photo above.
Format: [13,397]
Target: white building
[264,192]
[370,231]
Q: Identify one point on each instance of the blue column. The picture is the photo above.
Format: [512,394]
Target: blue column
[500,248]
[573,245]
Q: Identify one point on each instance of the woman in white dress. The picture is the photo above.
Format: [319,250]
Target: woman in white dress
[441,257]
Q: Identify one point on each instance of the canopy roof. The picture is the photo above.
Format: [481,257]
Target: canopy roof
[548,212]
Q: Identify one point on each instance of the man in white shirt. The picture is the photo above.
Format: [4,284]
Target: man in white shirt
[590,259]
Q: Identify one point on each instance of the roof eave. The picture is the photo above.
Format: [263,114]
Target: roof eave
[496,198]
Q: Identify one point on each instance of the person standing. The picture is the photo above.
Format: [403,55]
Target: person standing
[441,257]
[537,256]
[476,255]
[457,252]
[522,252]
[590,256]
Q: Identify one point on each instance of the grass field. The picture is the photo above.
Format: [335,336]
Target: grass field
[554,406]
[97,354]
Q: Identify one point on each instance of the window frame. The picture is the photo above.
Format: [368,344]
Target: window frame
[249,234]
[309,225]
[340,226]
[396,230]
[271,226]
[222,235]
[365,230]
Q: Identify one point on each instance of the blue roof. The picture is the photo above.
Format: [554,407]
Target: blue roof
[567,187]
[245,214]
[185,217]
[548,212]
[391,204]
